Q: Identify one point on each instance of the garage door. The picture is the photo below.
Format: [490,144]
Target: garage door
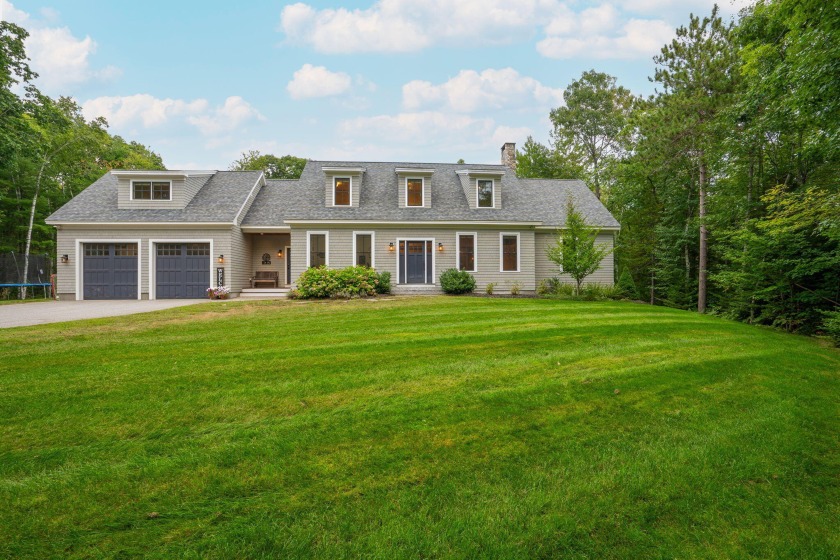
[110,271]
[182,270]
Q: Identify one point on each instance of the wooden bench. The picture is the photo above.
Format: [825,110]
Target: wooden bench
[266,277]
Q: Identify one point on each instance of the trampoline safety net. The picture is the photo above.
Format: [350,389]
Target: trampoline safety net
[11,269]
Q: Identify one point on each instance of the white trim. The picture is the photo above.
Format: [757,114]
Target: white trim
[336,178]
[264,229]
[159,173]
[472,172]
[556,228]
[153,271]
[158,225]
[474,235]
[261,178]
[372,246]
[151,182]
[405,223]
[434,258]
[326,235]
[413,171]
[80,269]
[339,170]
[492,193]
[502,235]
[422,192]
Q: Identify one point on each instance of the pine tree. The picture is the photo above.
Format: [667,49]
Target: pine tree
[575,251]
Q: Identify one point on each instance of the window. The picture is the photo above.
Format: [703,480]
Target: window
[198,249]
[466,252]
[510,252]
[169,249]
[96,250]
[151,190]
[414,192]
[363,249]
[485,193]
[341,191]
[125,250]
[317,248]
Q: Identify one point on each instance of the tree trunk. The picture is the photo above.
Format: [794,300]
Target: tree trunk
[31,225]
[704,241]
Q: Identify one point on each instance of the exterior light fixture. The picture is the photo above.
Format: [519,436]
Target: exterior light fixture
[279,253]
[221,259]
[65,259]
[391,246]
[440,246]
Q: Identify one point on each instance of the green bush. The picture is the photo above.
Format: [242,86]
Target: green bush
[454,281]
[515,288]
[588,292]
[353,281]
[831,326]
[384,286]
[488,289]
[626,284]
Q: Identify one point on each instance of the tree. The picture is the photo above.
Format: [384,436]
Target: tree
[575,251]
[592,127]
[537,161]
[286,167]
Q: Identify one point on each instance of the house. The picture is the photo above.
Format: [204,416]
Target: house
[172,234]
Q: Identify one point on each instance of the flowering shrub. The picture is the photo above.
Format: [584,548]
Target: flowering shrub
[219,292]
[353,281]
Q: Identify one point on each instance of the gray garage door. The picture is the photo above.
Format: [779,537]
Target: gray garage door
[110,271]
[182,270]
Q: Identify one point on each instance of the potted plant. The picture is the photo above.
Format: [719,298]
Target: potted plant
[220,292]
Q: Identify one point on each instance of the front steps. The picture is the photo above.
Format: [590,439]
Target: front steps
[416,290]
[264,293]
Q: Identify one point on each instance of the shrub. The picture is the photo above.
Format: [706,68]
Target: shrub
[384,286]
[454,281]
[318,282]
[515,289]
[626,284]
[353,281]
[488,289]
[831,326]
[293,294]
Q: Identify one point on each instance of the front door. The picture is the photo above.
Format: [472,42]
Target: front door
[416,262]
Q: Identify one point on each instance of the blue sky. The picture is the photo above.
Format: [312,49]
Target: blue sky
[394,80]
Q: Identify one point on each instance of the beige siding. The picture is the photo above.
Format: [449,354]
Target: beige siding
[356,181]
[547,269]
[487,252]
[183,190]
[401,189]
[228,242]
[268,243]
[470,186]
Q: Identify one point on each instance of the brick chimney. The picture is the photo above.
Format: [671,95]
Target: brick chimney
[509,155]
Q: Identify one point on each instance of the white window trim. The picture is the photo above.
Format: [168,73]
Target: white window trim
[336,178]
[326,235]
[422,192]
[458,235]
[502,235]
[80,258]
[153,254]
[434,258]
[493,188]
[372,246]
[150,181]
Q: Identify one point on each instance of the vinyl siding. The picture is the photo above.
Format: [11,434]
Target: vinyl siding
[355,188]
[547,269]
[470,185]
[487,252]
[183,191]
[231,243]
[401,190]
[268,243]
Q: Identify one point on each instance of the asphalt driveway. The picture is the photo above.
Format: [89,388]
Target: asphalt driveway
[24,314]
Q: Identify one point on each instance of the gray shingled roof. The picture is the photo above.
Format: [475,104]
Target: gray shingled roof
[219,200]
[523,200]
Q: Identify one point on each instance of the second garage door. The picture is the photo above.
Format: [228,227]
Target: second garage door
[182,270]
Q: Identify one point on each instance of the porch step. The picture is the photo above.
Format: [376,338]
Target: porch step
[416,290]
[264,292]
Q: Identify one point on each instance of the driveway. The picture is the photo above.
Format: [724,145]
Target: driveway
[59,311]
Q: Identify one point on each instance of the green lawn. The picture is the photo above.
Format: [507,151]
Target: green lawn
[419,427]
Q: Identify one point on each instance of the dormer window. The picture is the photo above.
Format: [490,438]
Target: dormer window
[414,191]
[341,191]
[151,190]
[485,193]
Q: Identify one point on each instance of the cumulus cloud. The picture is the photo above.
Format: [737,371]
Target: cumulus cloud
[145,110]
[472,91]
[61,59]
[316,81]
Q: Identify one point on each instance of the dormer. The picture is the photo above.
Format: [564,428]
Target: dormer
[343,186]
[414,186]
[482,187]
[158,190]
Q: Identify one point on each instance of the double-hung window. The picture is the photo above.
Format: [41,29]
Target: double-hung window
[363,249]
[485,196]
[414,191]
[341,191]
[317,249]
[466,251]
[509,250]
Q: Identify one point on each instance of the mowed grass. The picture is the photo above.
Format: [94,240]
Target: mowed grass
[417,428]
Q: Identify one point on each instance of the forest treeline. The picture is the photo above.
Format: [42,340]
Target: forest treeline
[725,181]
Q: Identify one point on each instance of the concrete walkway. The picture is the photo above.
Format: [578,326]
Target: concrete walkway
[24,314]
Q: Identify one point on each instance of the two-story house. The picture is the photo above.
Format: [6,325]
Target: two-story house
[173,234]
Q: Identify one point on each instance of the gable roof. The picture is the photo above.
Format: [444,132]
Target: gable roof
[523,200]
[218,201]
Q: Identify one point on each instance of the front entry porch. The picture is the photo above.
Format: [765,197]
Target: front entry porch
[416,261]
[270,267]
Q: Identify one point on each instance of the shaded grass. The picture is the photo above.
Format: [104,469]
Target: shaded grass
[428,427]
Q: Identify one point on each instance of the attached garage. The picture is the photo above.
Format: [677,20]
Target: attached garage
[182,270]
[110,270]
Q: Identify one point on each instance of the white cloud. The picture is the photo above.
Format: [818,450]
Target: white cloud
[316,81]
[409,26]
[60,58]
[123,112]
[471,91]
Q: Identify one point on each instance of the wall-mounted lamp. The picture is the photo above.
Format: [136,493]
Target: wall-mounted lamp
[221,259]
[440,246]
[391,246]
[279,253]
[65,259]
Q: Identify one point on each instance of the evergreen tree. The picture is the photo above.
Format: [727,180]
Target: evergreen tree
[575,251]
